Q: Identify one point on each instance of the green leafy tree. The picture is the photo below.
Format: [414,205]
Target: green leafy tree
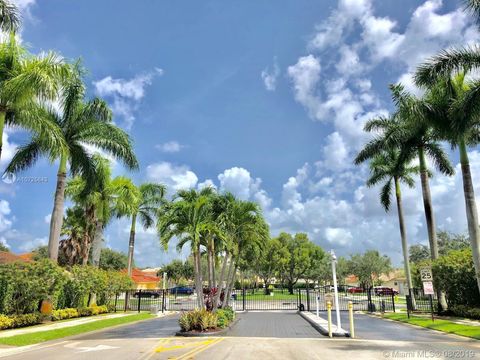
[4,247]
[301,251]
[112,260]
[274,257]
[369,266]
[151,197]
[177,270]
[82,123]
[392,167]
[446,243]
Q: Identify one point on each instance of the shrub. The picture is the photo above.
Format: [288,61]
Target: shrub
[455,274]
[198,320]
[465,311]
[62,314]
[24,285]
[5,322]
[26,320]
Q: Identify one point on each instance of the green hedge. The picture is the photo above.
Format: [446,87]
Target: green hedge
[17,321]
[225,317]
[465,311]
[198,320]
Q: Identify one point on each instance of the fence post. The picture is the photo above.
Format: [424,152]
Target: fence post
[126,300]
[243,299]
[116,300]
[308,300]
[393,302]
[369,300]
[139,299]
[163,300]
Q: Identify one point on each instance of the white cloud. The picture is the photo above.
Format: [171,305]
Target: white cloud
[32,244]
[170,147]
[47,218]
[269,77]
[5,221]
[125,94]
[173,176]
[239,182]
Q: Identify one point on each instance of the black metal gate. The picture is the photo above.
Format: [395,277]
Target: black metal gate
[261,300]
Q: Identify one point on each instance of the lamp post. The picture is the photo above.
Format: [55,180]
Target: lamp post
[334,273]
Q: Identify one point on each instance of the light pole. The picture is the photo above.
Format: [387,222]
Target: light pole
[334,273]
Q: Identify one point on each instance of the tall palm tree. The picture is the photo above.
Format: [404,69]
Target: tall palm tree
[392,167]
[9,16]
[108,197]
[26,82]
[456,120]
[151,197]
[82,124]
[188,217]
[409,129]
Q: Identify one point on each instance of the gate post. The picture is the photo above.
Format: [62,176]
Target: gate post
[163,300]
[243,299]
[369,300]
[139,299]
[126,300]
[116,299]
[393,302]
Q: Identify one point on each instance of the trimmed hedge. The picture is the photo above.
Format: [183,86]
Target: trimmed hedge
[465,311]
[225,317]
[17,321]
[198,320]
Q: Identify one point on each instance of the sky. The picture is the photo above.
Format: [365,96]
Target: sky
[265,99]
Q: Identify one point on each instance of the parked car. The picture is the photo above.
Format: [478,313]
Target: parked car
[147,294]
[355,290]
[383,290]
[181,290]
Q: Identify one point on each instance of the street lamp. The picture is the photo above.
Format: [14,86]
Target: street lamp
[334,273]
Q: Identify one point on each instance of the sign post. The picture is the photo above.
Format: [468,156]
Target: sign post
[427,280]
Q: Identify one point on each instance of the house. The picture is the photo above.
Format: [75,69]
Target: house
[396,280]
[144,280]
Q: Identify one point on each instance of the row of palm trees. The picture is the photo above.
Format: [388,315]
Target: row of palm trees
[46,96]
[446,113]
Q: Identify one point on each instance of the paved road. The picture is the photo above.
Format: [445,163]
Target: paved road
[256,336]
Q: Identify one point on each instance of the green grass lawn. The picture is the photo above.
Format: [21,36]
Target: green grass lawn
[439,324]
[41,336]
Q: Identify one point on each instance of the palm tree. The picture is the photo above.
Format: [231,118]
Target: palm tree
[456,105]
[82,124]
[151,197]
[108,197]
[409,129]
[78,234]
[26,82]
[391,166]
[9,16]
[188,218]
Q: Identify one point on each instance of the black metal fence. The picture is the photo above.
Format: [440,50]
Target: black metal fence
[259,299]
[418,301]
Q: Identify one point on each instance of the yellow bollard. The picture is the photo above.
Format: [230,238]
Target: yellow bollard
[350,314]
[329,312]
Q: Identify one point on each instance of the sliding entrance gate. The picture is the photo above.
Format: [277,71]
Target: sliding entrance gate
[257,299]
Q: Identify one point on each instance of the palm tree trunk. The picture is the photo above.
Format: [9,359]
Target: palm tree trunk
[56,220]
[213,263]
[430,220]
[131,245]
[220,284]
[403,236]
[209,265]
[471,209]
[198,277]
[227,282]
[230,285]
[97,243]
[2,126]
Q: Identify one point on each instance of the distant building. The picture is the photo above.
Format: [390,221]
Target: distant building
[6,257]
[145,279]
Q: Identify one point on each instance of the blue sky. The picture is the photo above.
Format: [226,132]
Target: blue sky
[263,98]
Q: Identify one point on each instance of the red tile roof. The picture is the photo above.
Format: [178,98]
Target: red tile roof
[7,257]
[26,256]
[138,276]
